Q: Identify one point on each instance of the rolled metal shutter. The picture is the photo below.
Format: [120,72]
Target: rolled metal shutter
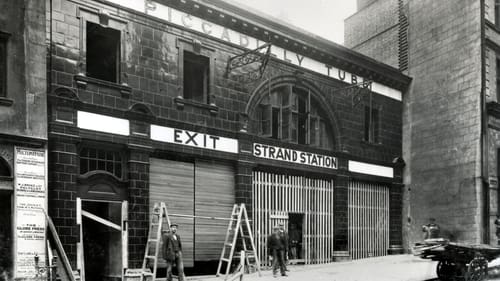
[173,183]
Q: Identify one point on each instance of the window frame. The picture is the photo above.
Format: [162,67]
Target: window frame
[104,19]
[290,109]
[496,13]
[105,148]
[196,47]
[372,130]
[4,42]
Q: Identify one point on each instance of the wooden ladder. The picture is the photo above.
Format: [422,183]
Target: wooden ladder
[154,238]
[238,225]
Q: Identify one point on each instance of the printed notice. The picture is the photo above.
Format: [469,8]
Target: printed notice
[30,199]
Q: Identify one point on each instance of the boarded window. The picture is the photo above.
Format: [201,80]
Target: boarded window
[93,159]
[372,124]
[103,52]
[196,77]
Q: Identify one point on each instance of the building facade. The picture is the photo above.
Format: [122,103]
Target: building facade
[450,136]
[23,137]
[180,102]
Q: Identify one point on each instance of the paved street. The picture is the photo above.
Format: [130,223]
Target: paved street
[389,268]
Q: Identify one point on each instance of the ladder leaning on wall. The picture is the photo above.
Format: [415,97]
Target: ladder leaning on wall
[158,218]
[239,225]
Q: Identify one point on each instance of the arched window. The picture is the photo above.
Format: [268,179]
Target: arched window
[290,113]
[95,159]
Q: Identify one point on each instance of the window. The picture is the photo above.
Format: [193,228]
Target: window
[3,65]
[497,13]
[196,77]
[92,159]
[103,52]
[498,79]
[372,124]
[290,114]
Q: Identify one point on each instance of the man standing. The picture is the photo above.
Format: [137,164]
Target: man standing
[172,248]
[276,248]
[431,230]
[284,240]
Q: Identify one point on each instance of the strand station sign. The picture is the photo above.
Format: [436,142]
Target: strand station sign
[294,156]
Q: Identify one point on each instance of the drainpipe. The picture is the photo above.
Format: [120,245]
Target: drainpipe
[484,184]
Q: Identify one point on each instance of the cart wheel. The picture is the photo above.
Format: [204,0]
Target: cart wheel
[477,270]
[445,270]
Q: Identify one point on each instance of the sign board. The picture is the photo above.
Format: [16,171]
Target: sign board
[294,156]
[193,139]
[30,197]
[163,12]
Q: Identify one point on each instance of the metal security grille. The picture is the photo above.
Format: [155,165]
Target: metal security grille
[276,197]
[368,219]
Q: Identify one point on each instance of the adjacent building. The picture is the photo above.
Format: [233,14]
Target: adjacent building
[450,113]
[201,105]
[23,137]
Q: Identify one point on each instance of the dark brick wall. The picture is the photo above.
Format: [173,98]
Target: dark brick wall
[138,212]
[341,213]
[63,192]
[396,214]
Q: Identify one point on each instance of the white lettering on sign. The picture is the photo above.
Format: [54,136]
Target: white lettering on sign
[177,17]
[30,197]
[194,139]
[294,156]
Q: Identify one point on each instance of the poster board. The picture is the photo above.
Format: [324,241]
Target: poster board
[30,196]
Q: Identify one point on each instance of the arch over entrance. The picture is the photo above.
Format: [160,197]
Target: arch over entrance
[317,97]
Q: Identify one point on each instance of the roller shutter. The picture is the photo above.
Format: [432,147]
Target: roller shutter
[173,183]
[214,185]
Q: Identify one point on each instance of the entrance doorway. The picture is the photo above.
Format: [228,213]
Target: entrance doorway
[295,234]
[103,231]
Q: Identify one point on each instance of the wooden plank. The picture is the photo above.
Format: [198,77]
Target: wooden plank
[101,220]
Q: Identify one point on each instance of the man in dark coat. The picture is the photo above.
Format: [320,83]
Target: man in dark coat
[284,240]
[276,247]
[172,249]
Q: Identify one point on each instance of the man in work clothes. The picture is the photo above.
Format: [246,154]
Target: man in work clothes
[172,248]
[276,247]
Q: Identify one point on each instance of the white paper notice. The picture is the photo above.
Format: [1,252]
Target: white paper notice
[30,198]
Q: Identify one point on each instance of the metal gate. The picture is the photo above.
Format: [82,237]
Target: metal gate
[368,219]
[275,196]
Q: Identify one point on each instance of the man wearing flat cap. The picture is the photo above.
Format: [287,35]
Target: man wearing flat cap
[172,249]
[276,247]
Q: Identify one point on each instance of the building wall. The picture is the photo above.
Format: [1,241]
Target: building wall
[374,36]
[23,115]
[150,68]
[23,111]
[441,114]
[442,118]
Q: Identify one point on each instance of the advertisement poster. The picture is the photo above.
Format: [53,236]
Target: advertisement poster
[30,199]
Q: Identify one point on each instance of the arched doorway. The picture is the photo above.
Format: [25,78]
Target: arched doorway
[102,219]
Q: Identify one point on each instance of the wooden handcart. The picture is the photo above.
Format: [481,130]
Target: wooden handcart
[458,261]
